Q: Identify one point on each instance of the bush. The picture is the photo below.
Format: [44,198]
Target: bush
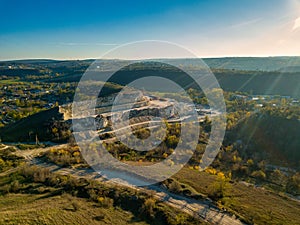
[5,189]
[175,187]
[35,173]
[65,157]
[75,205]
[149,206]
[219,189]
[259,174]
[105,202]
[15,186]
[92,194]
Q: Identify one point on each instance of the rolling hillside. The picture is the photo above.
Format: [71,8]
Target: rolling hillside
[27,128]
[273,138]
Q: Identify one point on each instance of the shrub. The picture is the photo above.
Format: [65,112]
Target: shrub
[148,207]
[219,189]
[105,202]
[259,174]
[5,189]
[35,173]
[175,187]
[65,157]
[15,186]
[75,205]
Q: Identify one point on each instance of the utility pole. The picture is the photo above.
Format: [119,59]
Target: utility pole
[36,140]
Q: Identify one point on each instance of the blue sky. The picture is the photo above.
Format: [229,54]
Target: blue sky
[87,29]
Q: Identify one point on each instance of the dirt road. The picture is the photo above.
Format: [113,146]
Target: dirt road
[196,208]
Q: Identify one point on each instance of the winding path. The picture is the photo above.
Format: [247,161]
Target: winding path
[196,208]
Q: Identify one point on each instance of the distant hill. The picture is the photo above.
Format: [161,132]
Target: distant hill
[290,69]
[42,61]
[30,61]
[242,63]
[255,82]
[260,83]
[265,75]
[254,63]
[19,72]
[230,63]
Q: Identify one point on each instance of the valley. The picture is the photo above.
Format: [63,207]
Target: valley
[42,161]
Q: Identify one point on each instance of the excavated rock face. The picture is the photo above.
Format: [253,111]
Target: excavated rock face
[132,105]
[104,120]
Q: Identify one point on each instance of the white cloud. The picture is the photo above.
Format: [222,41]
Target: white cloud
[79,44]
[246,23]
[297,24]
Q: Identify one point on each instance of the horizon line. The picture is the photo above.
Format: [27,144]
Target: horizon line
[205,57]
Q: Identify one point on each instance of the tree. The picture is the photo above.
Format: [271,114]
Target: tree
[149,206]
[259,174]
[220,188]
[293,184]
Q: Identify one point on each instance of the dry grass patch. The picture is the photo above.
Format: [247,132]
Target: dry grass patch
[61,209]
